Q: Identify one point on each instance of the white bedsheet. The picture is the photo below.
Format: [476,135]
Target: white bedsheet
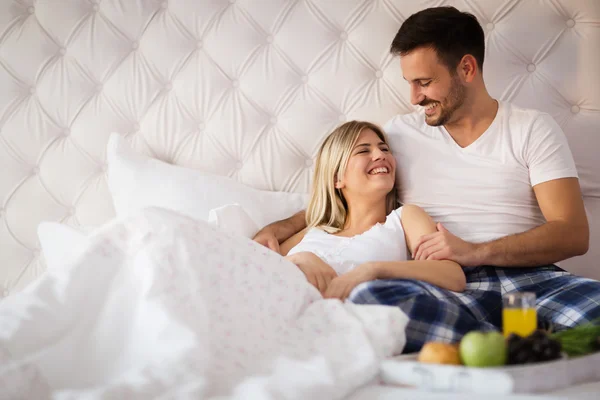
[160,305]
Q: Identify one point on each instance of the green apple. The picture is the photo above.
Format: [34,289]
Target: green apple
[483,349]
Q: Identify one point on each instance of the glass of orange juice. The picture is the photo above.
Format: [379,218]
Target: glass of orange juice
[518,313]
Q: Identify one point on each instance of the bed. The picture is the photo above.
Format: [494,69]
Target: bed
[245,89]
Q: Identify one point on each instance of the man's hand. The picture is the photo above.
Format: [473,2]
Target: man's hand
[281,232]
[267,238]
[317,271]
[340,287]
[443,245]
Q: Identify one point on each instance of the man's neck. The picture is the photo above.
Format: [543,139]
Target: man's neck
[362,215]
[474,119]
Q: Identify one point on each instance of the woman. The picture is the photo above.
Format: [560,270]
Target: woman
[354,231]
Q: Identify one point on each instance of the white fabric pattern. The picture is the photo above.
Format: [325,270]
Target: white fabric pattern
[159,304]
[246,89]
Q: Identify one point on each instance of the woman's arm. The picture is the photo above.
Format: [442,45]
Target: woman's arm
[286,246]
[316,270]
[416,223]
[445,274]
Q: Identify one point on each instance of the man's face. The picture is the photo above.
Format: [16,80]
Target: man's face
[432,86]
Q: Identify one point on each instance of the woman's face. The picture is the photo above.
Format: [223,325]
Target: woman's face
[371,168]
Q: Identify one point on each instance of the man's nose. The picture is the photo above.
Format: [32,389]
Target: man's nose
[415,95]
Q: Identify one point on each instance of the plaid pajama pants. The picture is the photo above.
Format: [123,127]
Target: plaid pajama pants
[563,300]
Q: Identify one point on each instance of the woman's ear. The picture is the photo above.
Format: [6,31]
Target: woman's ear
[338,184]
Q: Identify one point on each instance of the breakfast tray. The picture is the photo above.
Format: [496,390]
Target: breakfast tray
[530,378]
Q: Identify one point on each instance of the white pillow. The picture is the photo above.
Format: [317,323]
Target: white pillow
[60,244]
[136,181]
[234,219]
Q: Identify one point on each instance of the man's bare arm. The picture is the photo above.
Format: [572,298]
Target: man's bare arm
[278,232]
[564,235]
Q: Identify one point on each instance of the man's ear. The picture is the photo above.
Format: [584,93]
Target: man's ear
[467,68]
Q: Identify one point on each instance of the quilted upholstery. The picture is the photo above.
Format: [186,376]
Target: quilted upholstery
[245,88]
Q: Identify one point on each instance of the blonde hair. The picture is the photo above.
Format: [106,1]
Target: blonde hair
[327,208]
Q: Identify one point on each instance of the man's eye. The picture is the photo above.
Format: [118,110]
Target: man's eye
[425,84]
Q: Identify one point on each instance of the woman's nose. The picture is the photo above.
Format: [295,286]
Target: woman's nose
[378,154]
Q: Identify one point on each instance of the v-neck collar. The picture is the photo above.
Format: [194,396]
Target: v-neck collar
[481,137]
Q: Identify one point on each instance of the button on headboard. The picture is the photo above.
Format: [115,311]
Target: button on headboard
[248,89]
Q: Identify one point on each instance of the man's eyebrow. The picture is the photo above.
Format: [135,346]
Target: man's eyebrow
[418,79]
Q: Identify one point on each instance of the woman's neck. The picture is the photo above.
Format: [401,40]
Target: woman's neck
[362,215]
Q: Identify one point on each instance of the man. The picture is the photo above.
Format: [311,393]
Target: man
[500,180]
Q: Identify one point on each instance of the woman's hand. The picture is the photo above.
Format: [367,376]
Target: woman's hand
[340,287]
[317,271]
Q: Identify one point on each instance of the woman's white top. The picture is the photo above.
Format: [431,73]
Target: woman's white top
[382,242]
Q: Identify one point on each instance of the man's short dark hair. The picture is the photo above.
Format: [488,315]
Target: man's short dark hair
[450,32]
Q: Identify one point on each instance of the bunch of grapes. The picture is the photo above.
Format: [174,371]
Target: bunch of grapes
[537,347]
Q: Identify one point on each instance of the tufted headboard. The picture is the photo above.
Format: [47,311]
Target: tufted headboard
[246,88]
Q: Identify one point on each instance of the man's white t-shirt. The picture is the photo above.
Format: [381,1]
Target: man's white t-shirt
[484,191]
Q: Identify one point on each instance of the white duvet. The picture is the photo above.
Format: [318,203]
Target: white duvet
[158,305]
